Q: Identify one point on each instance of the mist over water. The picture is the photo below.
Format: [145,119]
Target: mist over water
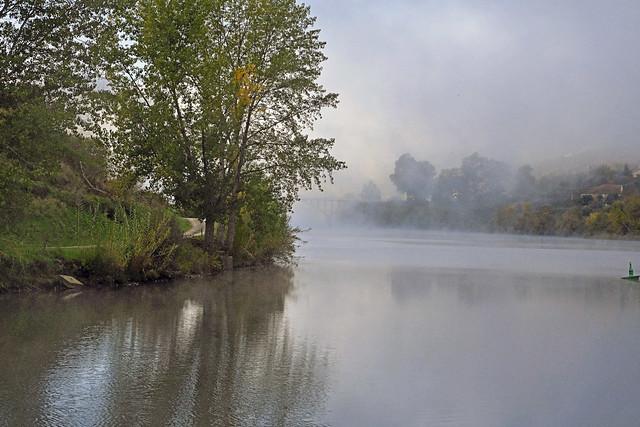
[373,328]
[474,330]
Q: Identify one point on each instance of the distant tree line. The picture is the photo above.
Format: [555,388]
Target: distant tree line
[487,194]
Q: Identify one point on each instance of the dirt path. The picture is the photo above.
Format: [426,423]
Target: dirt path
[197,228]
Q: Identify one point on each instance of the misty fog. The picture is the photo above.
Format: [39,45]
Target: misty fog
[546,83]
[472,260]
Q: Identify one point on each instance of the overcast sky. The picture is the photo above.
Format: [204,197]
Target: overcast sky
[521,81]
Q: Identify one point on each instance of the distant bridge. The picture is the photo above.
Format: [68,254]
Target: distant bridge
[324,210]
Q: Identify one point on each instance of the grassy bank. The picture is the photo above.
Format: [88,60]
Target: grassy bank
[111,244]
[102,243]
[76,221]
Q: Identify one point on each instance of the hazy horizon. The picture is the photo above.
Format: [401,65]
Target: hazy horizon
[539,83]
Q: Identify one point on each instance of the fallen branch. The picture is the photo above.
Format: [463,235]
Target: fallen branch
[89,184]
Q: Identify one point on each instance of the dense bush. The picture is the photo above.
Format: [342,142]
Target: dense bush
[621,218]
[138,245]
[263,234]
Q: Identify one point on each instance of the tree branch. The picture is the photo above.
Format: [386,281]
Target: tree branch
[6,8]
[276,123]
[89,184]
[135,83]
[15,40]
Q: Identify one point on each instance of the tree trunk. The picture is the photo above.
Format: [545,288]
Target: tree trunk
[235,207]
[231,226]
[235,203]
[209,234]
[220,235]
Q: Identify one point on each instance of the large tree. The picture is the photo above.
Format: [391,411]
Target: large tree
[486,180]
[206,94]
[413,178]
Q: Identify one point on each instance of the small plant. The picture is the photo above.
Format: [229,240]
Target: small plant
[138,242]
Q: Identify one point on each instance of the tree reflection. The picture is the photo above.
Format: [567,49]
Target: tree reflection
[215,352]
[478,287]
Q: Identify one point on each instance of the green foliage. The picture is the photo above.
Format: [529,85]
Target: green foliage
[30,145]
[138,242]
[13,194]
[209,102]
[133,243]
[397,213]
[191,258]
[506,218]
[205,95]
[596,222]
[25,268]
[46,68]
[571,222]
[474,190]
[543,220]
[46,44]
[624,217]
[620,219]
[484,195]
[263,233]
[183,224]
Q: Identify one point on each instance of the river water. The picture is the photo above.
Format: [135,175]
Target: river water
[372,328]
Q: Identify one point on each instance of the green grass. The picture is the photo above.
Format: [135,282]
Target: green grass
[74,253]
[55,224]
[184,224]
[111,244]
[54,230]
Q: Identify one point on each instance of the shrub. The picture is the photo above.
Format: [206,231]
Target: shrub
[139,242]
[571,222]
[263,234]
[191,258]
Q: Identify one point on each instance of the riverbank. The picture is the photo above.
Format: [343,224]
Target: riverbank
[79,220]
[63,269]
[115,242]
[618,220]
[139,247]
[142,245]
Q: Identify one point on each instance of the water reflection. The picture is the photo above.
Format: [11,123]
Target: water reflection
[370,332]
[461,347]
[478,287]
[217,353]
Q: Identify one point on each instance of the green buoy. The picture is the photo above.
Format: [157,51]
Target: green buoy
[632,275]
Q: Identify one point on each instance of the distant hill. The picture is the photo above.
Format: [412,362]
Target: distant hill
[582,161]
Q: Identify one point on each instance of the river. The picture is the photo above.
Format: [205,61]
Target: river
[371,328]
